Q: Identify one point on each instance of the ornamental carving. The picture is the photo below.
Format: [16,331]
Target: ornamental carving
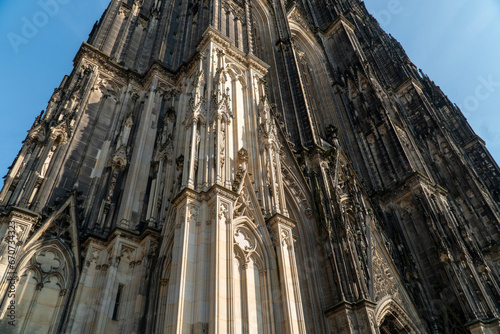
[25,217]
[243,206]
[37,134]
[192,214]
[223,213]
[119,159]
[241,171]
[60,133]
[293,185]
[233,8]
[221,107]
[384,282]
[245,244]
[195,107]
[244,240]
[48,261]
[94,257]
[46,163]
[285,239]
[267,128]
[60,229]
[297,16]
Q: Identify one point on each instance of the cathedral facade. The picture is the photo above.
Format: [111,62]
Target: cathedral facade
[249,166]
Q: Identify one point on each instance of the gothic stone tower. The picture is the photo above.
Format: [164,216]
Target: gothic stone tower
[249,166]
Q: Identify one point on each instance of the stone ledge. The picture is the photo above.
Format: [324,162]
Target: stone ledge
[349,305]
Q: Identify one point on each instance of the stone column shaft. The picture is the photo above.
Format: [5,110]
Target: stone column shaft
[290,291]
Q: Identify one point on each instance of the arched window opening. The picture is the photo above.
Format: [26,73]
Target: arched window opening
[392,319]
[41,290]
[249,279]
[309,86]
[117,302]
[391,325]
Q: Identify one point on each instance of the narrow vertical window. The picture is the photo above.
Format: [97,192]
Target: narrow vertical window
[117,302]
[170,56]
[236,32]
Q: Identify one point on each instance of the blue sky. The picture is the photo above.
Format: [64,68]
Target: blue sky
[455,42]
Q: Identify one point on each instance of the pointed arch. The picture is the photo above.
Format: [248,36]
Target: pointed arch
[318,285]
[238,97]
[46,273]
[236,72]
[67,211]
[247,205]
[297,194]
[392,318]
[250,235]
[161,277]
[264,33]
[251,284]
[314,71]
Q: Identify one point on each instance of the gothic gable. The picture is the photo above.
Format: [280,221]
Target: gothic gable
[61,226]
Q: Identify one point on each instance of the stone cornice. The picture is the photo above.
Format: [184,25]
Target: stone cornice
[210,194]
[186,193]
[295,15]
[22,214]
[98,57]
[158,69]
[479,323]
[161,71]
[133,236]
[211,35]
[94,238]
[343,305]
[403,188]
[407,84]
[123,74]
[219,190]
[473,141]
[340,21]
[279,219]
